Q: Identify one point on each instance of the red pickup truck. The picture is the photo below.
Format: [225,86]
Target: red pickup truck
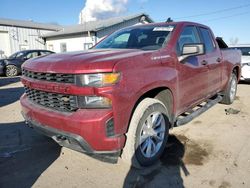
[122,97]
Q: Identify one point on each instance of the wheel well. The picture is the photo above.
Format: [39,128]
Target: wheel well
[163,94]
[236,70]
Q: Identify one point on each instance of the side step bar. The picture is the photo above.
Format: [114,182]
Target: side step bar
[185,118]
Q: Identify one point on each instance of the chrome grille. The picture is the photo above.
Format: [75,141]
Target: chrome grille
[60,102]
[51,77]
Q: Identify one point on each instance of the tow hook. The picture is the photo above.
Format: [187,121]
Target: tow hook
[60,138]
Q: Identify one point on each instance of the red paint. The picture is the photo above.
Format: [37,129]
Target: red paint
[141,71]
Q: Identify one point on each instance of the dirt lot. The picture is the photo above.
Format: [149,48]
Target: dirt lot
[211,151]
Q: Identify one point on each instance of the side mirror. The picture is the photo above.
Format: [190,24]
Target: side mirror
[191,50]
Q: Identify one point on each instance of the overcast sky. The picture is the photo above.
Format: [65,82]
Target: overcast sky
[229,19]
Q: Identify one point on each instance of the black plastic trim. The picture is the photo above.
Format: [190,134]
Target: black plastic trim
[74,142]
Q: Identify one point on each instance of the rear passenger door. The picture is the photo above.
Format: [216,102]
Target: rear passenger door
[213,61]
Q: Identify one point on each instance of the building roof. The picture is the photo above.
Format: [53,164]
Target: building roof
[29,24]
[95,25]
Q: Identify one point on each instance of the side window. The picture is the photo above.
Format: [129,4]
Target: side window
[245,51]
[207,39]
[45,52]
[31,55]
[18,55]
[189,35]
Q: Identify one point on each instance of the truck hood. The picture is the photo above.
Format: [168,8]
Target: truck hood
[81,62]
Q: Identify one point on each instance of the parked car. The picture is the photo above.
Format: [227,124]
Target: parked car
[245,62]
[11,66]
[122,97]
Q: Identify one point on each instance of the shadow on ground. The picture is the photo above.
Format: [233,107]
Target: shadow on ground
[11,94]
[244,82]
[4,81]
[165,174]
[179,152]
[15,94]
[24,155]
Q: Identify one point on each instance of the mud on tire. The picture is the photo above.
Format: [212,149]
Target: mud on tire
[230,92]
[147,134]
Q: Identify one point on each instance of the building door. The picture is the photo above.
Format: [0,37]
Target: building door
[63,47]
[4,44]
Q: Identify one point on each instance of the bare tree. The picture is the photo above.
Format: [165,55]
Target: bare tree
[234,41]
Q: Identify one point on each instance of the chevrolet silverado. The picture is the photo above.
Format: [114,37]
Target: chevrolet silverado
[120,98]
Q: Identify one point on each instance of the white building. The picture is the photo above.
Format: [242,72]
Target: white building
[83,36]
[16,35]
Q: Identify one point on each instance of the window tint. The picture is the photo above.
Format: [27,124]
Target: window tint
[45,52]
[16,55]
[20,54]
[189,35]
[207,39]
[144,38]
[245,51]
[32,55]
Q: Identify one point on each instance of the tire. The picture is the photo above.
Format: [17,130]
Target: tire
[230,92]
[147,135]
[11,70]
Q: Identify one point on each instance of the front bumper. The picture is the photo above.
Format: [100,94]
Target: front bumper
[83,130]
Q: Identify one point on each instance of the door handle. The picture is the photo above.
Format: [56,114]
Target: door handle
[218,59]
[204,62]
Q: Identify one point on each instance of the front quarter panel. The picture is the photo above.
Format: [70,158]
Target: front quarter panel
[139,75]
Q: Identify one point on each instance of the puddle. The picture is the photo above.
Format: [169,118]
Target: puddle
[181,150]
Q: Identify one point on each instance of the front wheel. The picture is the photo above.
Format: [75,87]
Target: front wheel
[11,70]
[147,134]
[230,92]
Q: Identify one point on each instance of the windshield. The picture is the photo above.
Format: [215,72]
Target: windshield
[144,38]
[16,55]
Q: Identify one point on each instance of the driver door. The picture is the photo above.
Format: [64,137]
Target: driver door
[192,73]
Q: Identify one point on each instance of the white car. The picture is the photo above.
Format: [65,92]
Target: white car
[245,62]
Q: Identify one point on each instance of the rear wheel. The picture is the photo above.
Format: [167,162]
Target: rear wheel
[11,70]
[148,133]
[230,92]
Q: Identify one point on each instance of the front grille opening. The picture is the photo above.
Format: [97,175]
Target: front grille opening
[51,77]
[60,102]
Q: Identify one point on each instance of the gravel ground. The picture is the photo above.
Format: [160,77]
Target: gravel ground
[211,151]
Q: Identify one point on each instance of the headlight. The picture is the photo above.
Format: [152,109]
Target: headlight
[94,102]
[97,80]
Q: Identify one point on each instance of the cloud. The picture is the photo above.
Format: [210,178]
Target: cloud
[101,9]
